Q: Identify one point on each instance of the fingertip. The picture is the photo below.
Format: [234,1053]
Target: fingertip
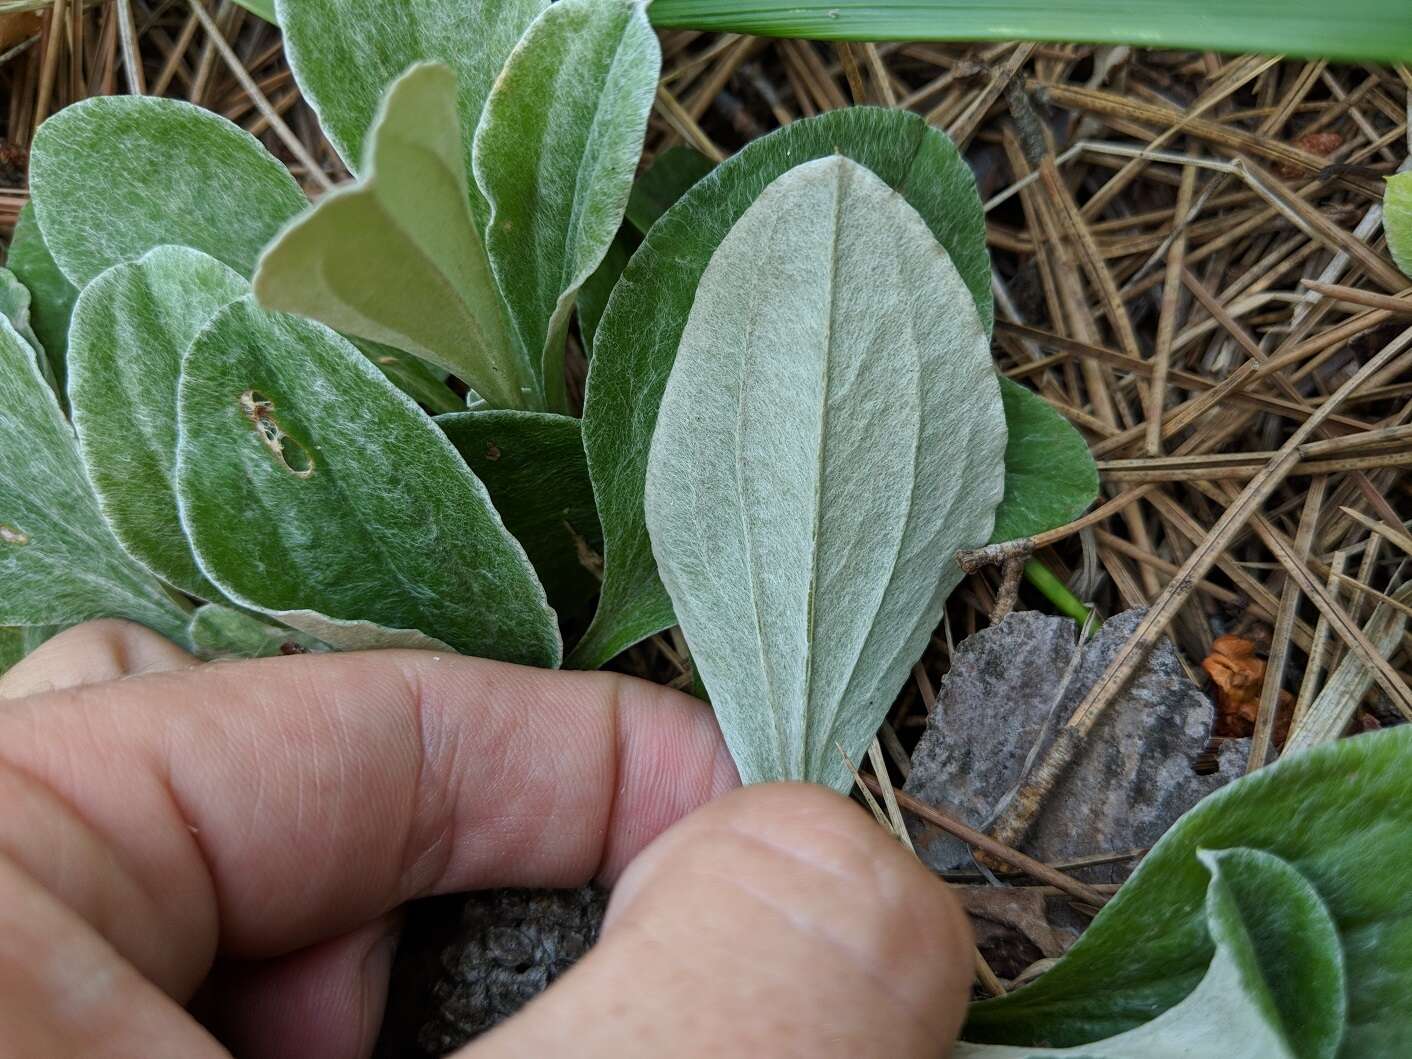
[779,919]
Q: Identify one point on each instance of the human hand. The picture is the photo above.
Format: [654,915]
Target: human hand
[254,826]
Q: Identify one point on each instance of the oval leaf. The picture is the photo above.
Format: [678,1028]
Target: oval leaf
[636,341]
[169,173]
[345,53]
[130,328]
[59,564]
[831,434]
[398,258]
[555,155]
[308,483]
[1050,476]
[535,469]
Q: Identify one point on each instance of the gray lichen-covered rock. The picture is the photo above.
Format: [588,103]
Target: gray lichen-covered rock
[467,963]
[1130,784]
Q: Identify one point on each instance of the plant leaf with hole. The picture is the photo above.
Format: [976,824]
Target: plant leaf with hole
[832,432]
[114,176]
[59,564]
[1357,29]
[1338,815]
[1397,219]
[130,328]
[1050,476]
[345,54]
[51,294]
[397,258]
[1274,989]
[316,492]
[636,341]
[535,469]
[669,177]
[555,155]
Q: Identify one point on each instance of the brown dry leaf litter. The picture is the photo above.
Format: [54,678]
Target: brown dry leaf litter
[1189,266]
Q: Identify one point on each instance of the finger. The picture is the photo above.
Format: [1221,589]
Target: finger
[91,654]
[269,805]
[324,1002]
[778,921]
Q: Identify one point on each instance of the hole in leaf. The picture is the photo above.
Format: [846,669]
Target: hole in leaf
[10,535]
[292,456]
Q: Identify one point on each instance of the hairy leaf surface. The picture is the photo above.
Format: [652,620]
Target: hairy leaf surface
[831,433]
[315,491]
[59,564]
[114,176]
[555,155]
[1338,815]
[1050,476]
[51,294]
[345,54]
[1397,219]
[636,341]
[535,469]
[397,257]
[131,327]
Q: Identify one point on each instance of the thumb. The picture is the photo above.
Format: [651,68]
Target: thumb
[780,921]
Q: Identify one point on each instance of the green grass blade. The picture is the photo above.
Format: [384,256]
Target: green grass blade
[1354,29]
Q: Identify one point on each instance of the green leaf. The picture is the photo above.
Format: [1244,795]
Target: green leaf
[593,297]
[412,375]
[264,8]
[130,328]
[1338,815]
[1358,29]
[345,53]
[15,307]
[637,338]
[1397,219]
[1050,476]
[397,257]
[1274,989]
[669,177]
[555,155]
[59,564]
[221,632]
[314,491]
[832,429]
[52,296]
[534,467]
[114,176]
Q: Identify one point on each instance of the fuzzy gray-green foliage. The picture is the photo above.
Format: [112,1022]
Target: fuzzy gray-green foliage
[59,562]
[130,328]
[555,155]
[800,509]
[308,483]
[398,258]
[114,176]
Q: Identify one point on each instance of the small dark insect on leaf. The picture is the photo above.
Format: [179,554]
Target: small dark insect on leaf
[492,451]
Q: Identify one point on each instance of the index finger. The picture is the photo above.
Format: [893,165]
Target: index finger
[271,804]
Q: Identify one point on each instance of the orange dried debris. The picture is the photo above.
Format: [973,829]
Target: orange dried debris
[1238,674]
